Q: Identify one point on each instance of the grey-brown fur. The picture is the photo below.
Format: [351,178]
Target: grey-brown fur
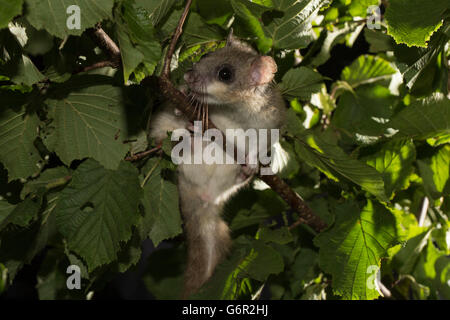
[250,101]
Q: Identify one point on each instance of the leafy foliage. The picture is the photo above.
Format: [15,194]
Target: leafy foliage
[95,214]
[92,109]
[367,134]
[354,245]
[51,15]
[414,28]
[18,131]
[9,10]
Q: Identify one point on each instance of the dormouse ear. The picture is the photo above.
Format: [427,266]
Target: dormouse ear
[230,38]
[262,70]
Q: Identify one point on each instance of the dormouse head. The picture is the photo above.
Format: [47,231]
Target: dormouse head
[232,74]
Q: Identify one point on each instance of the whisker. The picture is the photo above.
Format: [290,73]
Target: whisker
[192,101]
[206,107]
[198,108]
[207,115]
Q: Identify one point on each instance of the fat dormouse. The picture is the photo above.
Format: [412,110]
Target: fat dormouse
[237,85]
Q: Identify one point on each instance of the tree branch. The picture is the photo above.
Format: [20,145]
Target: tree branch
[171,93]
[107,44]
[173,42]
[143,154]
[97,65]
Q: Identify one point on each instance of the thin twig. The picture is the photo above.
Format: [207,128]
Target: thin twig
[423,211]
[107,44]
[384,291]
[168,90]
[173,42]
[58,182]
[150,173]
[143,154]
[97,65]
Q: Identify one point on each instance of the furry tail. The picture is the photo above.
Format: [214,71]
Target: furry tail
[208,242]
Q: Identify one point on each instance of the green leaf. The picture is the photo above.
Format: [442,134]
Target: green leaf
[418,65]
[359,8]
[439,140]
[196,31]
[435,172]
[303,269]
[280,235]
[53,17]
[3,278]
[414,21]
[95,212]
[367,69]
[336,164]
[440,165]
[363,114]
[251,20]
[5,209]
[39,42]
[423,118]
[25,212]
[18,130]
[50,178]
[300,83]
[14,254]
[409,288]
[316,291]
[424,271]
[215,12]
[140,49]
[157,9]
[17,66]
[292,29]
[406,259]
[25,71]
[10,9]
[52,278]
[250,258]
[331,38]
[250,207]
[394,160]
[442,278]
[263,261]
[293,123]
[89,121]
[33,239]
[129,254]
[227,283]
[354,246]
[75,260]
[378,41]
[266,3]
[162,214]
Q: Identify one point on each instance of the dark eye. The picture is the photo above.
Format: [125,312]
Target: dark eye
[225,74]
